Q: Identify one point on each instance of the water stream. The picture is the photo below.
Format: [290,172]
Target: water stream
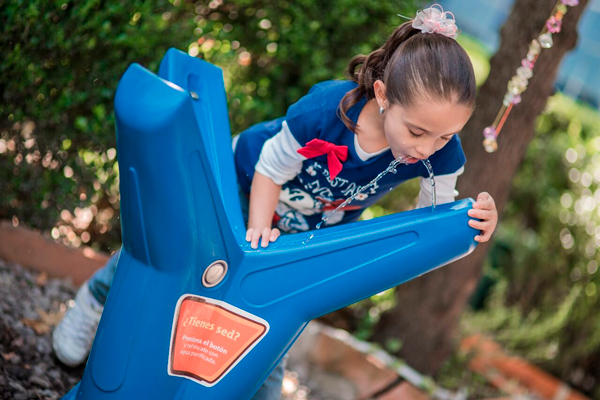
[427,165]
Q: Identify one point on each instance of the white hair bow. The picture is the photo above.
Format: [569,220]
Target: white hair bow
[436,20]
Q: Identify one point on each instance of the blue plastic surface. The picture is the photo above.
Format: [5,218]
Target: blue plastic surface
[180,212]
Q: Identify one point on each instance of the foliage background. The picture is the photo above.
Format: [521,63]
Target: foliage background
[59,172]
[64,59]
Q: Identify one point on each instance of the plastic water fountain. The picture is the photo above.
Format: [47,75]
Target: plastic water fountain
[194,312]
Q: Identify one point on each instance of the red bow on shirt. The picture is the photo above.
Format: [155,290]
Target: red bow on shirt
[317,147]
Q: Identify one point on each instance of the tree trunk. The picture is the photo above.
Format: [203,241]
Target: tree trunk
[429,307]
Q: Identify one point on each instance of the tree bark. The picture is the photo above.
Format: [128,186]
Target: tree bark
[429,307]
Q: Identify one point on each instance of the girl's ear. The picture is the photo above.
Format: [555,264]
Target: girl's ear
[379,90]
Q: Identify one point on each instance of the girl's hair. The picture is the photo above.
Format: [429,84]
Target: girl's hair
[412,65]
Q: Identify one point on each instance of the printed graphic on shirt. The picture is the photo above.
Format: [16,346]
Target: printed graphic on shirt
[209,337]
[294,205]
[289,220]
[315,198]
[300,200]
[327,185]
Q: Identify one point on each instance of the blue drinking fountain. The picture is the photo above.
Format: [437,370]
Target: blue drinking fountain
[194,312]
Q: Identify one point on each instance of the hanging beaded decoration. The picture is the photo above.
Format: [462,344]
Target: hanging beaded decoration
[518,83]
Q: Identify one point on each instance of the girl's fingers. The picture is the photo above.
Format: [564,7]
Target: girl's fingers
[481,225]
[255,238]
[264,236]
[266,233]
[481,214]
[483,196]
[485,210]
[487,205]
[484,237]
[274,234]
[483,205]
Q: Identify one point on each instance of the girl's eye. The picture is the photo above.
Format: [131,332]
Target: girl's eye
[414,134]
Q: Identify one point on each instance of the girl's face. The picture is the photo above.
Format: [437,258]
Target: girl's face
[418,131]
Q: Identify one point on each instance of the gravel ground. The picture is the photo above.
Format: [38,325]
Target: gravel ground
[31,305]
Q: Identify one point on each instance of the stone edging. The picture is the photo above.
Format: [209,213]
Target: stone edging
[23,246]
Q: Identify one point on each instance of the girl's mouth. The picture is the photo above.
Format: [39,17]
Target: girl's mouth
[411,160]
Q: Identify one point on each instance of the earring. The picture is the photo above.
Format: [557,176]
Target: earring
[381,110]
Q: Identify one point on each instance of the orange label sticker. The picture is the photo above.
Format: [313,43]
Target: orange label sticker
[209,337]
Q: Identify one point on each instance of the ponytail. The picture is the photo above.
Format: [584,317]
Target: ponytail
[372,69]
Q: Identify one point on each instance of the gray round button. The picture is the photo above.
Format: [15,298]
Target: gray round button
[214,274]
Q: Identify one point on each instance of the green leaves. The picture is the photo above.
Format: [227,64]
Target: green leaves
[61,65]
[62,61]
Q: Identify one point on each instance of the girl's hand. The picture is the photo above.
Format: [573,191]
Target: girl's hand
[268,235]
[485,210]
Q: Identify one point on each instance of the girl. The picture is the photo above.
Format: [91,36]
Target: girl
[407,99]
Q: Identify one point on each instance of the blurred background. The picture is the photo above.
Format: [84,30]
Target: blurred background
[62,60]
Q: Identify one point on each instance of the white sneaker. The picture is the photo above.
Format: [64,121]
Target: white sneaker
[73,337]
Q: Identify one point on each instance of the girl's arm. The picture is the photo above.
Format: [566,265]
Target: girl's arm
[279,162]
[263,200]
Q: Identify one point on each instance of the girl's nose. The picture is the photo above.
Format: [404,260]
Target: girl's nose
[426,149]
